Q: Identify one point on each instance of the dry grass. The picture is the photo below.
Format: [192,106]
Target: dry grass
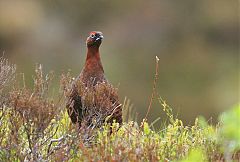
[34,105]
[28,113]
[7,74]
[34,127]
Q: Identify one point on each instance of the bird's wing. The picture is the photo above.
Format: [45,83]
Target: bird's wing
[74,105]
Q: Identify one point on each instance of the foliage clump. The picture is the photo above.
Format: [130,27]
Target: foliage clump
[36,127]
[34,105]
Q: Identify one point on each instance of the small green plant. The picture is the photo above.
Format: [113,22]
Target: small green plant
[195,155]
[229,131]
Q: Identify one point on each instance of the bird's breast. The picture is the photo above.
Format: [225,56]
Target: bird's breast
[92,73]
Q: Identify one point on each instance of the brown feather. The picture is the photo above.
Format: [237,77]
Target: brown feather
[92,97]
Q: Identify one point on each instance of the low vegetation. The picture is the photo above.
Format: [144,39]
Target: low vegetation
[34,126]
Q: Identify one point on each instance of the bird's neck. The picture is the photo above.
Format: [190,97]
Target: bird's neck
[93,53]
[93,60]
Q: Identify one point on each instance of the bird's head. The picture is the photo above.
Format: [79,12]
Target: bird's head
[94,39]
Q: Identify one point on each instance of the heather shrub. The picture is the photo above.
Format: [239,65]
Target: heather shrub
[35,126]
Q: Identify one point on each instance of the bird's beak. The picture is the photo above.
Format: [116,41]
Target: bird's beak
[99,37]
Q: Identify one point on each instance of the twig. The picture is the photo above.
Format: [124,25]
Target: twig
[55,132]
[56,140]
[28,137]
[154,87]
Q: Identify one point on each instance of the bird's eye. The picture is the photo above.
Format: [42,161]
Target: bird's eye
[92,35]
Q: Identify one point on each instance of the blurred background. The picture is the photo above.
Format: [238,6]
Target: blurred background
[197,43]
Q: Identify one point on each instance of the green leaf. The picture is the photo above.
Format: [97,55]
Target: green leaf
[195,155]
[230,128]
[146,128]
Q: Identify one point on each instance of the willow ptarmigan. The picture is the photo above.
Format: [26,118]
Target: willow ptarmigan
[92,99]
